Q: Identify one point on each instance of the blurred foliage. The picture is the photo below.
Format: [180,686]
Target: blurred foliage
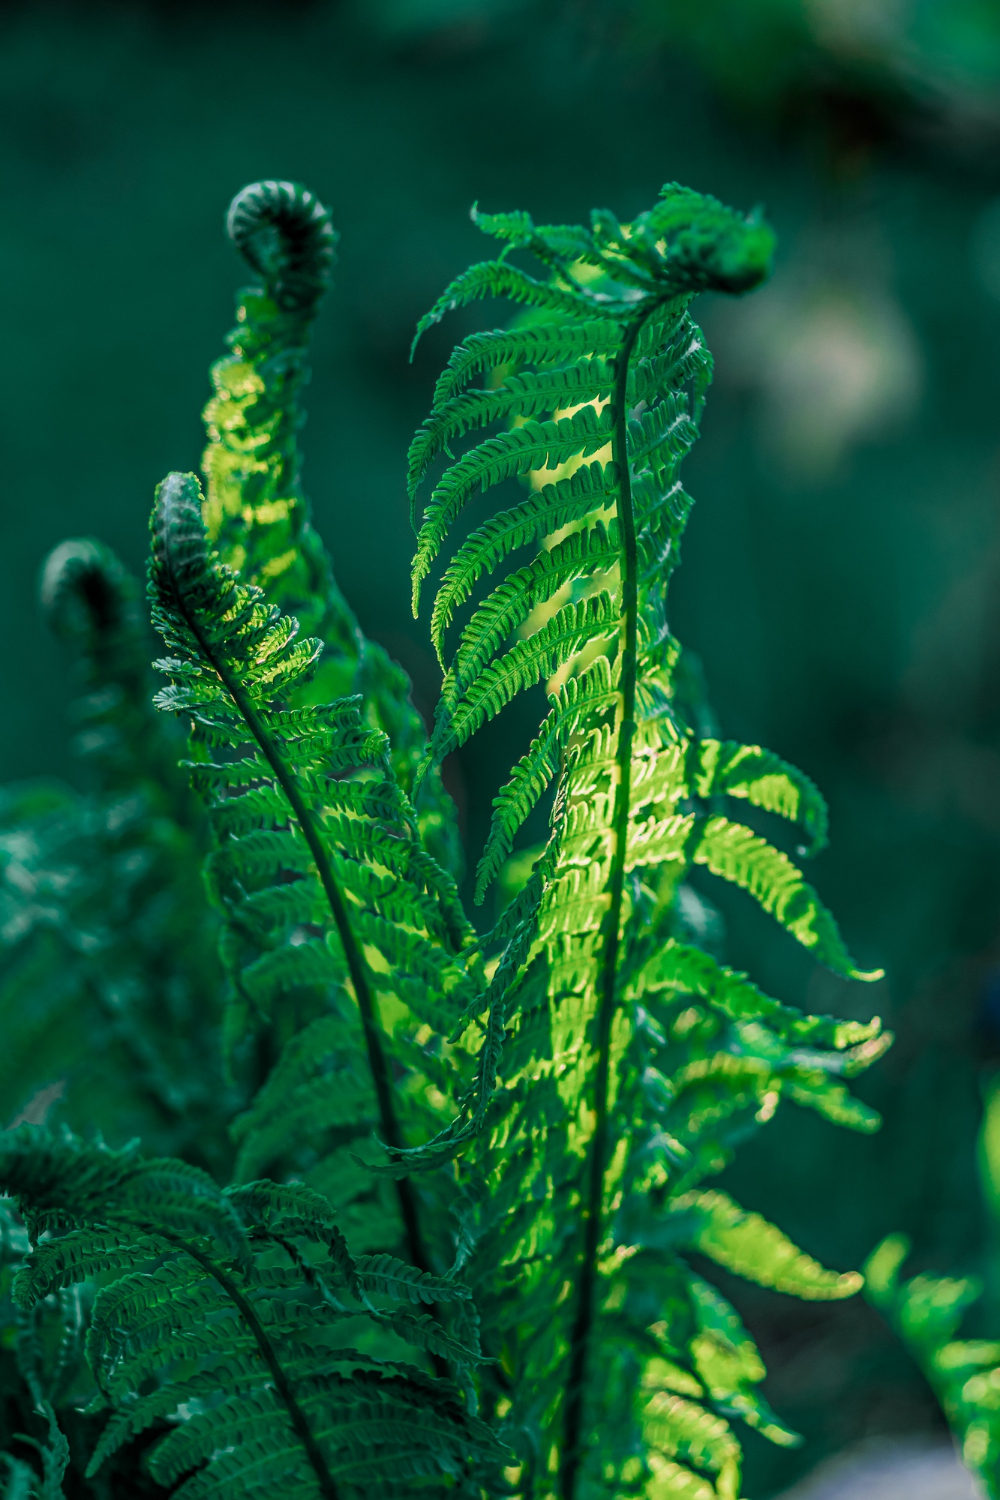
[842,561]
[927,1311]
[109,980]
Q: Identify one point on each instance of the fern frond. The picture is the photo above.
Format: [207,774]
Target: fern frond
[618,1065]
[534,445]
[587,381]
[390,1277]
[256,509]
[383,932]
[579,555]
[492,278]
[535,343]
[592,690]
[549,509]
[463,710]
[683,970]
[740,856]
[224,1326]
[766,781]
[729,1365]
[751,1247]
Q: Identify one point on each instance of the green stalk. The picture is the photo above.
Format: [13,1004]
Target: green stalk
[597,1164]
[282,1384]
[357,967]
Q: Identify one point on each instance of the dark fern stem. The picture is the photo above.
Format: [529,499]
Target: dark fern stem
[592,1214]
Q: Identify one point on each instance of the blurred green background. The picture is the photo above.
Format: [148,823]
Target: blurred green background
[841,569]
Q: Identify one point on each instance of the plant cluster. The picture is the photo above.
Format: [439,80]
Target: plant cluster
[426,1207]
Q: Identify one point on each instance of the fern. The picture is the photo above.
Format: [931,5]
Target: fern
[46,1375]
[256,510]
[342,934]
[927,1311]
[430,1127]
[328,1088]
[619,1064]
[224,1328]
[342,937]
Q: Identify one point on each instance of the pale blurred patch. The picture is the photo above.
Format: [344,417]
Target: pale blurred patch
[904,1470]
[834,363]
[37,1109]
[858,25]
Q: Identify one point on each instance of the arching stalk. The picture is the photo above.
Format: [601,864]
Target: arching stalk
[357,967]
[592,1217]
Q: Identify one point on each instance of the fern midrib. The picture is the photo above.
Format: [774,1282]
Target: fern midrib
[584,1320]
[357,968]
[282,1384]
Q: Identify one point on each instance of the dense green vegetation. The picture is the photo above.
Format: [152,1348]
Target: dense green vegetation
[837,569]
[512,1130]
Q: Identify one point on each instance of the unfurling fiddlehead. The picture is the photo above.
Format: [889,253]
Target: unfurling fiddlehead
[256,508]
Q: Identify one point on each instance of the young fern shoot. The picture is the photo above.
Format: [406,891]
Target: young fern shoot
[331,902]
[619,1062]
[256,510]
